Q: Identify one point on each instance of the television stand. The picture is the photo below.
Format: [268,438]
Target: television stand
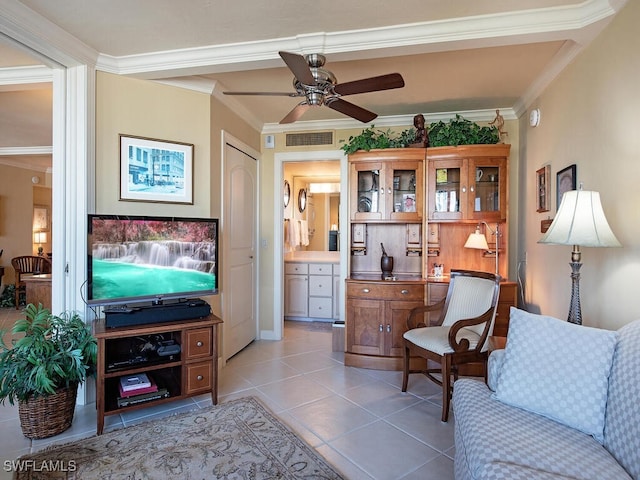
[191,371]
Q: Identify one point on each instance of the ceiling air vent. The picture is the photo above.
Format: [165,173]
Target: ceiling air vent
[309,139]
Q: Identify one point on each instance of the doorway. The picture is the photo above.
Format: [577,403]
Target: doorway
[308,159]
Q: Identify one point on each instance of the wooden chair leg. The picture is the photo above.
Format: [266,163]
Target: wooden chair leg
[446,386]
[17,298]
[405,368]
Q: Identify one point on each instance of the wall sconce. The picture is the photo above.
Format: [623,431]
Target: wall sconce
[40,238]
[478,241]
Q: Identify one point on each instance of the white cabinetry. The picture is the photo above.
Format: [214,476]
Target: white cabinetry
[296,290]
[310,291]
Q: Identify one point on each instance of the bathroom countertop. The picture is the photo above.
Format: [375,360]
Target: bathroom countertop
[312,257]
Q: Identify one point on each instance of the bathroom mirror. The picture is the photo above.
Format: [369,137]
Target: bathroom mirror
[286,193]
[302,199]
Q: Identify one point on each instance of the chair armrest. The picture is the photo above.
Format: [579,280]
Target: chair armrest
[463,345]
[494,367]
[417,314]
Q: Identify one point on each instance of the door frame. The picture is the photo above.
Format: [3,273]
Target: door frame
[227,138]
[278,237]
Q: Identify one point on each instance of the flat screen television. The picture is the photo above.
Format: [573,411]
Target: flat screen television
[142,258]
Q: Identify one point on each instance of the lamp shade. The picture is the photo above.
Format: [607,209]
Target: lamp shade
[580,221]
[477,240]
[40,237]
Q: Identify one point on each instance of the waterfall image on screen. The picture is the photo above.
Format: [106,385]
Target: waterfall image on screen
[141,258]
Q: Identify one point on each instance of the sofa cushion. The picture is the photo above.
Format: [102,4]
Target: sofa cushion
[494,440]
[622,421]
[557,369]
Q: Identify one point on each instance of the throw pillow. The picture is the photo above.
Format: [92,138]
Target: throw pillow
[557,369]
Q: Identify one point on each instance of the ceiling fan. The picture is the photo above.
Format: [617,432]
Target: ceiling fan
[320,87]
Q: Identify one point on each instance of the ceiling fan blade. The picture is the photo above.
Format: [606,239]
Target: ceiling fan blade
[274,94]
[296,113]
[351,110]
[299,66]
[372,84]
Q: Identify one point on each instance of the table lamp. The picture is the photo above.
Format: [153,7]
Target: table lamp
[580,221]
[478,241]
[40,238]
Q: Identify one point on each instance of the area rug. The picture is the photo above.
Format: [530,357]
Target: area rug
[240,439]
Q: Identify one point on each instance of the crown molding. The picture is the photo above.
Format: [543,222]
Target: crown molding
[17,78]
[48,42]
[388,121]
[467,32]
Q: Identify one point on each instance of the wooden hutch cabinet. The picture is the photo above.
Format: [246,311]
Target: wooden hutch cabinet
[464,186]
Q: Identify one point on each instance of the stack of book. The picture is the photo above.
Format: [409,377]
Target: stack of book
[139,388]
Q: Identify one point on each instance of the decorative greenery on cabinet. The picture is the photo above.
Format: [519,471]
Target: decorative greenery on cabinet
[457,131]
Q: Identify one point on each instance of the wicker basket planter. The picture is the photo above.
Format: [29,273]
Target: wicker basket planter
[44,417]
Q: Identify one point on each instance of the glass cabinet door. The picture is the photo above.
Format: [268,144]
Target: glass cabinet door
[487,189]
[367,199]
[447,189]
[405,191]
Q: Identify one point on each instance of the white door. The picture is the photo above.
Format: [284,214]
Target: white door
[239,286]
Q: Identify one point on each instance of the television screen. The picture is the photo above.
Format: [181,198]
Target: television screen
[141,258]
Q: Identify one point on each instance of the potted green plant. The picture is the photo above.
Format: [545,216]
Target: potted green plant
[43,367]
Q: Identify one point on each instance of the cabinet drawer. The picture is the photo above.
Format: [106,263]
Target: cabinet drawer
[436,292]
[199,377]
[386,291]
[320,269]
[320,286]
[296,268]
[198,343]
[320,307]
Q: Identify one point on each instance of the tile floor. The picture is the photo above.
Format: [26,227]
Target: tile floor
[358,419]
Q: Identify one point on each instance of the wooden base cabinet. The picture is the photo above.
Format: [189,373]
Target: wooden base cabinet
[191,371]
[376,320]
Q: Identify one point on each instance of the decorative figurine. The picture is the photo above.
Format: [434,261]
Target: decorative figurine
[422,136]
[499,124]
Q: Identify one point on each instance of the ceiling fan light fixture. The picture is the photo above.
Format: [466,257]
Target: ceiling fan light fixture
[315,99]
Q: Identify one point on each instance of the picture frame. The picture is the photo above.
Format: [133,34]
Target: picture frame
[153,170]
[566,180]
[41,218]
[543,189]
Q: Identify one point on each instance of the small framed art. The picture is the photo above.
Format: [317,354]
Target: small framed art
[565,181]
[543,189]
[154,170]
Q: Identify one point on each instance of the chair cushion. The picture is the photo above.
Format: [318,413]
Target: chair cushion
[436,339]
[557,369]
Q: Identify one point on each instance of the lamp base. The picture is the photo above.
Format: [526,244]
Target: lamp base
[575,312]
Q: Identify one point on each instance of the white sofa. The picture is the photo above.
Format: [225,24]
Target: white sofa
[556,409]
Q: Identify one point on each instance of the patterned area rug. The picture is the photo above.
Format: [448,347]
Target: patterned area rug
[240,439]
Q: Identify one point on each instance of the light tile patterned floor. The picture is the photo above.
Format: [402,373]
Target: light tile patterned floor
[358,419]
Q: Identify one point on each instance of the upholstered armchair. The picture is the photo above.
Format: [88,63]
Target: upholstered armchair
[452,332]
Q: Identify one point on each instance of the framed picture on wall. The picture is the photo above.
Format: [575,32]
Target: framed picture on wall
[543,189]
[565,181]
[40,218]
[154,170]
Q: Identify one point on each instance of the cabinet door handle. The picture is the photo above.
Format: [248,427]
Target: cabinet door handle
[389,190]
[381,328]
[365,290]
[471,188]
[404,292]
[382,191]
[464,189]
[199,344]
[199,377]
[388,328]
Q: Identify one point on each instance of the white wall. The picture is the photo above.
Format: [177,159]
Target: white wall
[590,118]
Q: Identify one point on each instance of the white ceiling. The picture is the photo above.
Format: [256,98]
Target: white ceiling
[461,56]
